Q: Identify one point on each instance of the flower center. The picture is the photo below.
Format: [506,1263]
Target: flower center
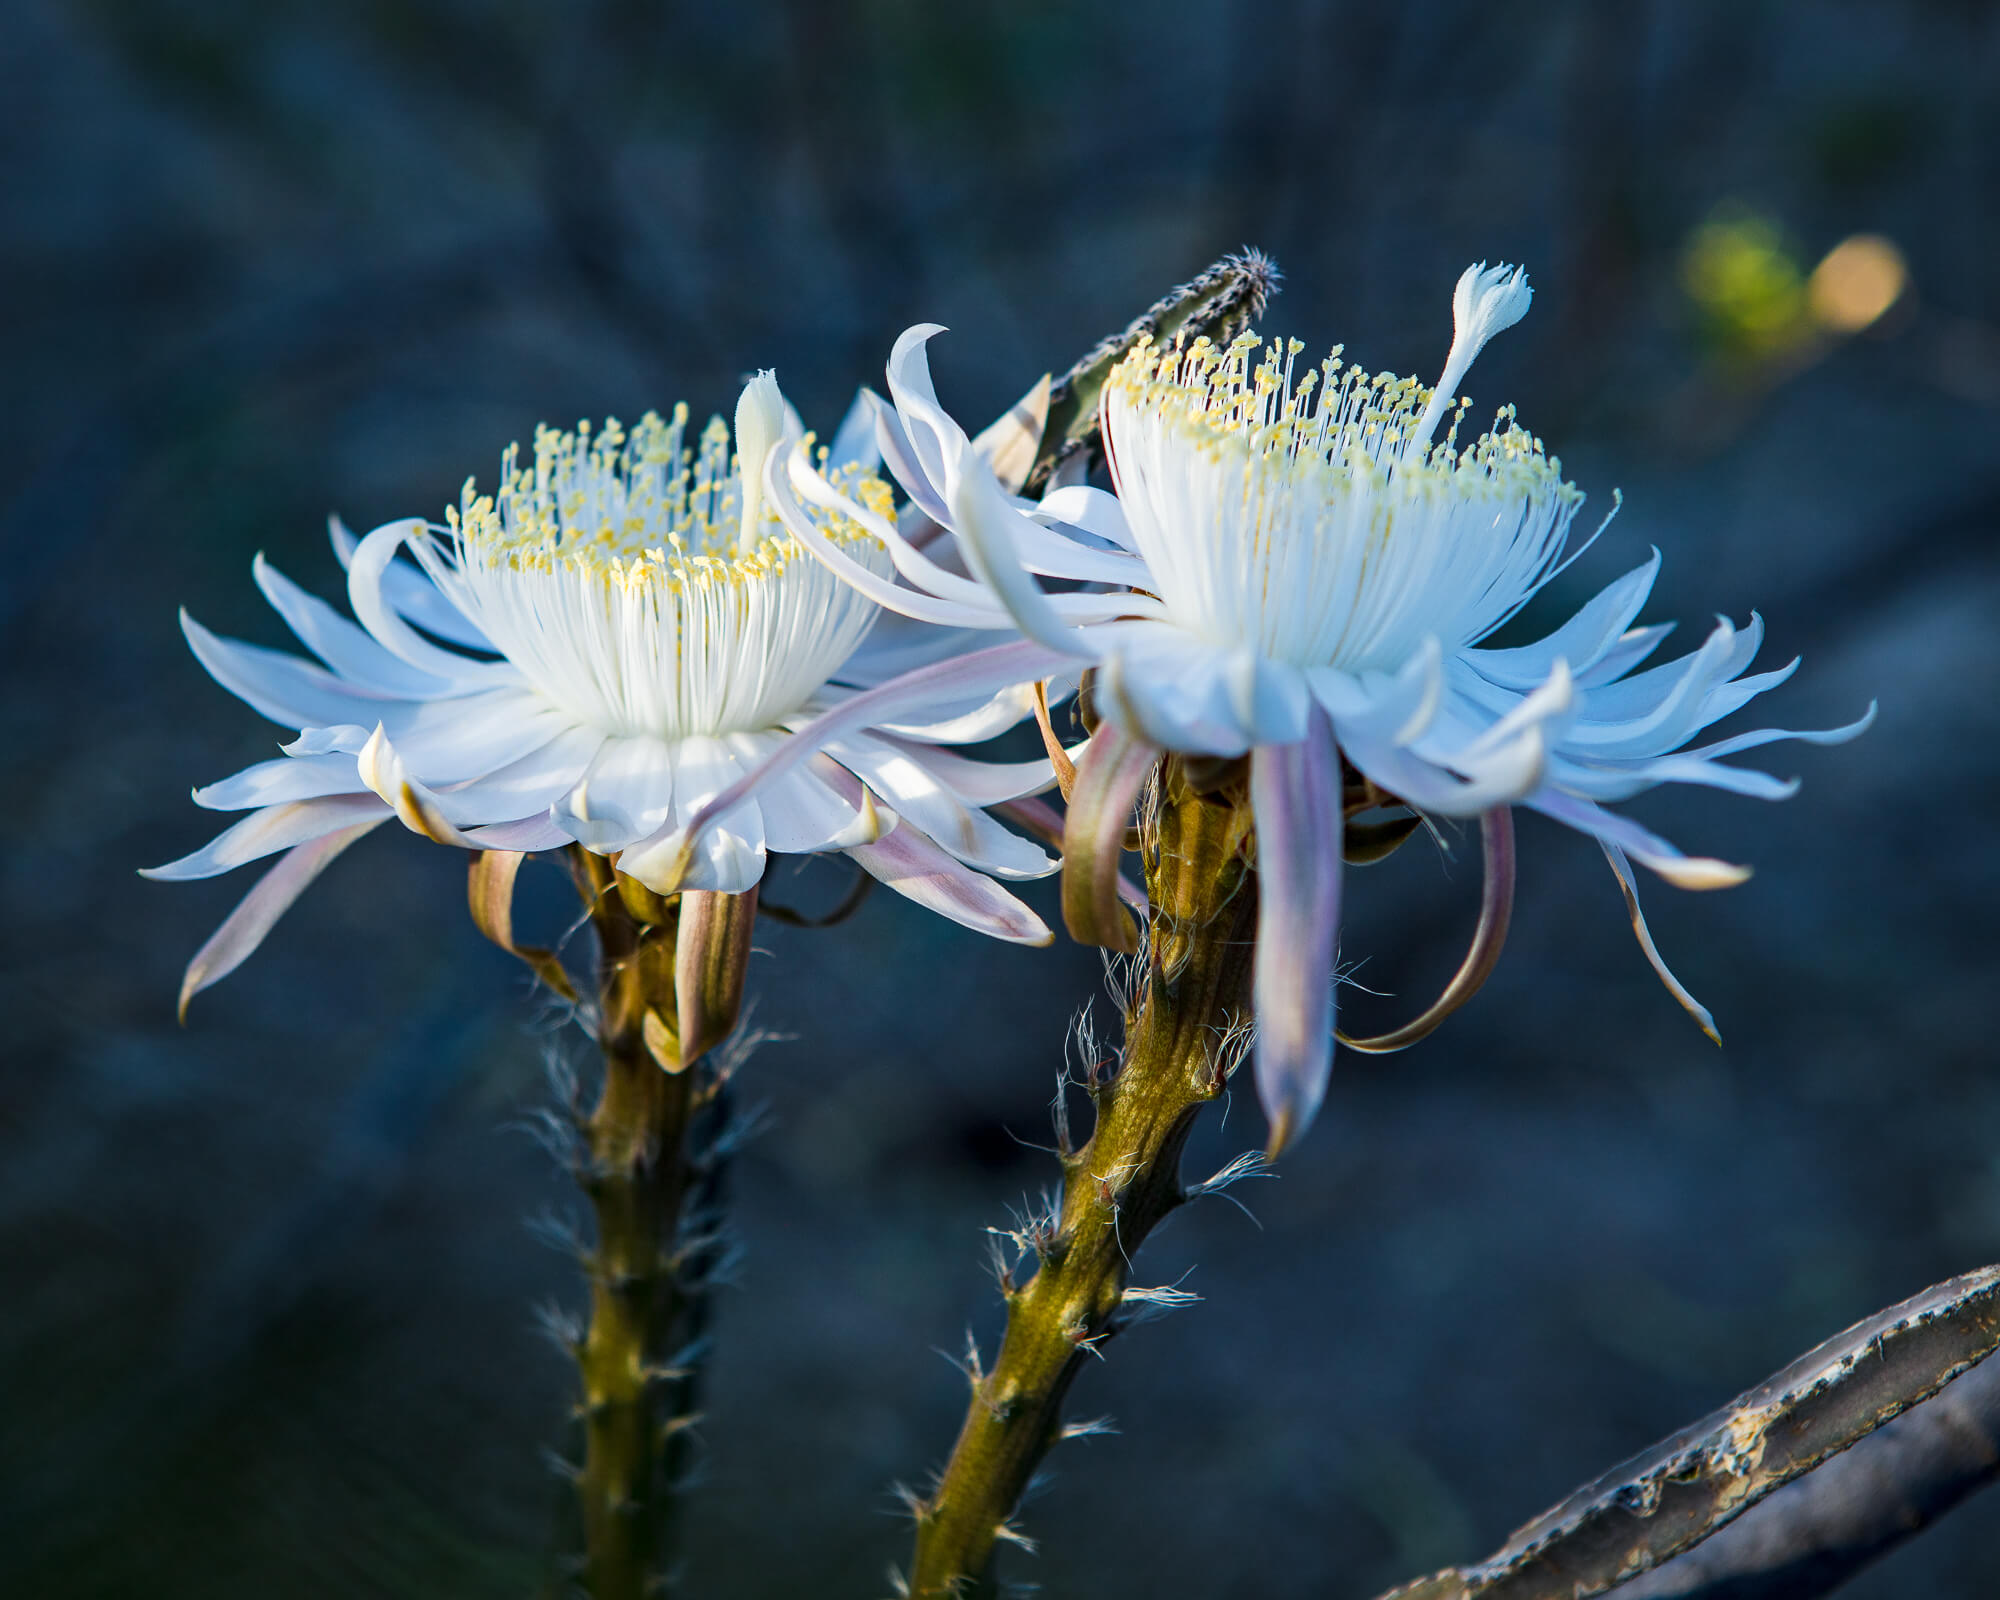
[614,572]
[1304,520]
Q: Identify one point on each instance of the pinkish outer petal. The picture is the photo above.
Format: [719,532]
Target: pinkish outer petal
[1113,770]
[1046,823]
[1496,911]
[243,930]
[1295,796]
[918,870]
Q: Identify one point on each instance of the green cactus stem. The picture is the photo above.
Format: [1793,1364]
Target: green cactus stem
[1188,997]
[649,1170]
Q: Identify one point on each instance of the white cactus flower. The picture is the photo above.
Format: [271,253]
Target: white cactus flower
[589,655]
[1292,569]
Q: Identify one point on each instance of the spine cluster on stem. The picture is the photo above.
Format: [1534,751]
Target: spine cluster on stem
[1184,1008]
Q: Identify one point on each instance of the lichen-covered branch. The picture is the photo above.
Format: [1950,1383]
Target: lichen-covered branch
[1666,1501]
[1190,990]
[1820,1530]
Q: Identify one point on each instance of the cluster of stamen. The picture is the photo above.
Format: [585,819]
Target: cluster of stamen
[1333,415]
[614,570]
[1307,514]
[636,507]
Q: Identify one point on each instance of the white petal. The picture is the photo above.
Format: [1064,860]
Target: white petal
[1095,512]
[1763,736]
[728,854]
[803,814]
[626,795]
[1583,641]
[266,832]
[372,559]
[341,738]
[414,595]
[1727,698]
[528,786]
[996,538]
[341,644]
[1632,648]
[981,783]
[899,455]
[1547,708]
[1723,654]
[1162,684]
[921,799]
[1614,781]
[988,529]
[799,478]
[1464,788]
[1399,706]
[1610,723]
[291,692]
[669,854]
[987,719]
[761,422]
[1272,698]
[450,741]
[1648,849]
[271,783]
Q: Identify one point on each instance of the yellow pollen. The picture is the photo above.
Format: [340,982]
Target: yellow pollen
[1333,417]
[648,508]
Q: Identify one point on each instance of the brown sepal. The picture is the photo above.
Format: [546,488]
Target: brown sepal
[490,893]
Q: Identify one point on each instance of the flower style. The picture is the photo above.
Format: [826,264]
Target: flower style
[591,653]
[1293,570]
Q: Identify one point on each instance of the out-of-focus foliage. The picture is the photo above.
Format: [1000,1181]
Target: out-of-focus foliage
[1747,285]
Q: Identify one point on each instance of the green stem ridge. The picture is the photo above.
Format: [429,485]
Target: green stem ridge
[649,1171]
[1187,1000]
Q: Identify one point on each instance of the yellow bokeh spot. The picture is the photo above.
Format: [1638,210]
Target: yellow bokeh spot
[1857,282]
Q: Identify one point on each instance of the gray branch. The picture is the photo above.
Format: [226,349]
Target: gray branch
[1644,1516]
[1813,1535]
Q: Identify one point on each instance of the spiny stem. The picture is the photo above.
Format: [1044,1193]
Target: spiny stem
[1115,1189]
[644,1178]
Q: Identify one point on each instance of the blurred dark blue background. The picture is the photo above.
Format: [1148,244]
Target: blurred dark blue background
[266,1319]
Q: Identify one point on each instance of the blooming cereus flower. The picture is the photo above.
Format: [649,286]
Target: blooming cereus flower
[1296,568]
[592,652]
